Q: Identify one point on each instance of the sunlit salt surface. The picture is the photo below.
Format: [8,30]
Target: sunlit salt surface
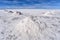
[29,24]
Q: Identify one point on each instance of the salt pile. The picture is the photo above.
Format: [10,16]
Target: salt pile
[28,29]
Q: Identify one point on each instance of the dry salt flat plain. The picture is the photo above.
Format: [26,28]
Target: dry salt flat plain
[29,24]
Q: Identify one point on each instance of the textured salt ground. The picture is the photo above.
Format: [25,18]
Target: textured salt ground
[22,27]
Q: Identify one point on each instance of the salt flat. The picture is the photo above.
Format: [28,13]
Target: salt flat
[29,24]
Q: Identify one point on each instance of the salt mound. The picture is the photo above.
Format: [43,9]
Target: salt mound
[49,13]
[52,13]
[28,29]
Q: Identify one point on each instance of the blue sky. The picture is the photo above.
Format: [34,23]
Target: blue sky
[39,4]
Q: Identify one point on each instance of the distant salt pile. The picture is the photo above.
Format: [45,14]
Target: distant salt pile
[49,13]
[52,13]
[11,12]
[19,13]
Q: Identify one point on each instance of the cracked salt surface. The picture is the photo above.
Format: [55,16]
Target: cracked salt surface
[23,27]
